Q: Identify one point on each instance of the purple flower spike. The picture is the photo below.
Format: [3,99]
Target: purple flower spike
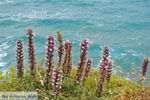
[144,67]
[101,82]
[49,57]
[57,80]
[31,52]
[144,70]
[87,69]
[109,70]
[81,64]
[105,71]
[60,53]
[67,64]
[19,58]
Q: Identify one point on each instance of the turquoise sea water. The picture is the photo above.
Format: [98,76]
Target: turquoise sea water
[124,25]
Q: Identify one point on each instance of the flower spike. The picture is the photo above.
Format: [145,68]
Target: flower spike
[31,52]
[83,58]
[19,58]
[49,58]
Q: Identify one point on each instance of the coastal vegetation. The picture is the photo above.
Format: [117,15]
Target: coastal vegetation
[62,81]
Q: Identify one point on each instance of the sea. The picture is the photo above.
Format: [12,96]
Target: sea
[123,25]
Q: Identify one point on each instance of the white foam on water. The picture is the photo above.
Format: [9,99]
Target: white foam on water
[3,2]
[4,46]
[123,54]
[3,53]
[2,64]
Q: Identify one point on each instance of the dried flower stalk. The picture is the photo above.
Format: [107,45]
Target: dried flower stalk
[19,58]
[59,37]
[60,53]
[60,48]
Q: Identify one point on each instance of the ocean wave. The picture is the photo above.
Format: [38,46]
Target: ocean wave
[3,2]
[3,64]
[4,46]
[3,53]
[33,15]
[121,24]
[22,17]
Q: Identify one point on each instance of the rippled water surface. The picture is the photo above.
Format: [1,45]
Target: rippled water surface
[124,25]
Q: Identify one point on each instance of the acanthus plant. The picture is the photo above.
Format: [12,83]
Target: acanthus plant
[67,64]
[57,80]
[105,71]
[31,52]
[109,70]
[60,48]
[144,70]
[82,61]
[87,69]
[60,53]
[59,37]
[19,58]
[49,58]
